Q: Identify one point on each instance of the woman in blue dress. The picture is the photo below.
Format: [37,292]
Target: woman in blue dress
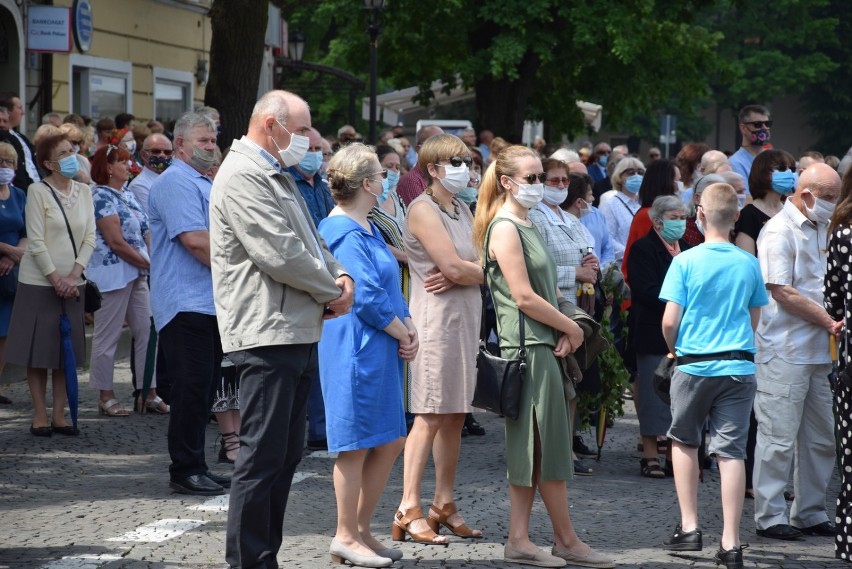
[361,357]
[13,241]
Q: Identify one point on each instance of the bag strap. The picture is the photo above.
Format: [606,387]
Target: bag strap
[65,217]
[522,352]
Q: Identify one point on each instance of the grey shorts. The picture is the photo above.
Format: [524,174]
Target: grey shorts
[725,400]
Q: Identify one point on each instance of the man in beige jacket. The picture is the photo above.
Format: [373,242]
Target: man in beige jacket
[274,281]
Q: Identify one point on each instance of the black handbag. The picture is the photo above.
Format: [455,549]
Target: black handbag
[9,283]
[92,297]
[663,378]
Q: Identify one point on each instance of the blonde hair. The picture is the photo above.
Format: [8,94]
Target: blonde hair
[437,148]
[8,151]
[350,166]
[46,130]
[491,193]
[720,205]
[71,130]
[624,164]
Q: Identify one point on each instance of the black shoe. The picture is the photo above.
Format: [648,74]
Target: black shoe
[580,448]
[5,400]
[473,427]
[320,444]
[222,480]
[732,558]
[684,540]
[780,531]
[825,528]
[580,469]
[40,431]
[68,430]
[197,484]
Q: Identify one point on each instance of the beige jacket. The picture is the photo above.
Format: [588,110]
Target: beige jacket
[270,285]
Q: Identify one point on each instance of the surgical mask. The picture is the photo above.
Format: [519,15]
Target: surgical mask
[821,212]
[393,178]
[130,146]
[296,150]
[159,163]
[456,178]
[554,196]
[603,160]
[760,137]
[633,183]
[784,182]
[69,166]
[699,225]
[468,195]
[6,176]
[530,194]
[383,196]
[741,200]
[673,229]
[679,185]
[584,211]
[311,163]
[202,160]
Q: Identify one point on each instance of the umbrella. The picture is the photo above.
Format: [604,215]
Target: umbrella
[150,365]
[833,379]
[600,429]
[69,362]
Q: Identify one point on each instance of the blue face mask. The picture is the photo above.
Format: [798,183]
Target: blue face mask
[633,183]
[467,195]
[673,229]
[69,166]
[784,182]
[382,197]
[311,163]
[393,178]
[603,160]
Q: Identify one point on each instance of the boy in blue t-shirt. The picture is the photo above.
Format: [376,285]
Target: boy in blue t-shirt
[713,295]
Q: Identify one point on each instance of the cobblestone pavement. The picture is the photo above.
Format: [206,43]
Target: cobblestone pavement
[102,500]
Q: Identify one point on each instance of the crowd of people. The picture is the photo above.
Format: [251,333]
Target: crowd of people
[315,291]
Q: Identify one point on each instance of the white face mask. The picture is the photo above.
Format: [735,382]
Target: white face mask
[821,212]
[455,178]
[679,186]
[554,196]
[130,146]
[529,194]
[584,211]
[297,149]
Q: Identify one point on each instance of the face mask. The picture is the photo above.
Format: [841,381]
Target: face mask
[603,160]
[741,199]
[130,146]
[393,179]
[759,137]
[529,194]
[699,225]
[311,163]
[784,182]
[673,229]
[468,195]
[69,166]
[455,178]
[202,160]
[380,199]
[821,212]
[297,149]
[633,183]
[554,196]
[679,185]
[584,211]
[6,176]
[159,163]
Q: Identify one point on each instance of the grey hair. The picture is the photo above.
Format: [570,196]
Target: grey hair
[624,164]
[468,130]
[705,181]
[566,155]
[190,120]
[4,111]
[207,111]
[276,103]
[732,178]
[663,204]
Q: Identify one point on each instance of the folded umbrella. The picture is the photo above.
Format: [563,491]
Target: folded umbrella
[150,366]
[69,363]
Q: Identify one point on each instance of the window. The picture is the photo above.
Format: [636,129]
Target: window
[100,87]
[173,93]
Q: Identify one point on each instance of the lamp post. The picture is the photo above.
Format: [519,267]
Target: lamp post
[296,46]
[374,7]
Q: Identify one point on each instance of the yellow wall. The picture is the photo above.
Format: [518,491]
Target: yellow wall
[147,33]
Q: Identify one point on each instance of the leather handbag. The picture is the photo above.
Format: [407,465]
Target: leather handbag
[9,283]
[92,297]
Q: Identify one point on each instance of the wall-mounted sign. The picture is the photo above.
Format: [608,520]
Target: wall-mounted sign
[49,29]
[82,24]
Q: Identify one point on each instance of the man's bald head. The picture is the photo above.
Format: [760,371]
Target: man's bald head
[821,180]
[577,168]
[710,157]
[426,133]
[156,140]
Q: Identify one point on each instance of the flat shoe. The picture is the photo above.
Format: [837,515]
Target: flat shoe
[580,469]
[825,528]
[40,431]
[197,485]
[340,554]
[540,558]
[67,430]
[780,531]
[5,400]
[591,559]
[392,554]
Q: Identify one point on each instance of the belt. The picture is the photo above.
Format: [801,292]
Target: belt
[732,355]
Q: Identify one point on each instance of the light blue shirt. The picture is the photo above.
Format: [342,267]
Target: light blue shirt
[716,284]
[179,202]
[595,222]
[741,162]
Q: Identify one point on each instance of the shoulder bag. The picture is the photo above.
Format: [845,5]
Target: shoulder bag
[92,297]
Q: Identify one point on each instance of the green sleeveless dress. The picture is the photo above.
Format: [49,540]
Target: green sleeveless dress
[542,395]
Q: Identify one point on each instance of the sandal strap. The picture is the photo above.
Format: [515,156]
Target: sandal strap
[444,512]
[409,516]
[155,402]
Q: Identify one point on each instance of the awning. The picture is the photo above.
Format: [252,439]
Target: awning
[390,106]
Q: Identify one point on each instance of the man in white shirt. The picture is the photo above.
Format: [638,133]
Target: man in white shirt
[793,402]
[156,156]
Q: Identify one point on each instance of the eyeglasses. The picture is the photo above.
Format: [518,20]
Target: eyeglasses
[531,178]
[457,161]
[555,181]
[158,151]
[384,174]
[633,171]
[7,163]
[759,124]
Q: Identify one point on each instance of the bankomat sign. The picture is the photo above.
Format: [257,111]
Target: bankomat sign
[49,29]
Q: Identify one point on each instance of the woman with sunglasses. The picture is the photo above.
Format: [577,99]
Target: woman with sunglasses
[446,307]
[50,283]
[523,279]
[361,357]
[75,136]
[119,266]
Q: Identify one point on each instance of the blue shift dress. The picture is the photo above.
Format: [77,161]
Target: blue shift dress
[360,370]
[12,230]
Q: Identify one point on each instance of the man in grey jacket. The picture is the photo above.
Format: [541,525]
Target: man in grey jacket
[274,282]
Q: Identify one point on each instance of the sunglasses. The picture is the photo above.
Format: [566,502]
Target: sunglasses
[158,151]
[759,124]
[531,178]
[633,171]
[555,181]
[457,161]
[384,174]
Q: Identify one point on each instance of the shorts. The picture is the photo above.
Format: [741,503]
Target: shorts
[725,400]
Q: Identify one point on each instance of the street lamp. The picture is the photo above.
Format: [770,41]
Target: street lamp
[375,7]
[296,46]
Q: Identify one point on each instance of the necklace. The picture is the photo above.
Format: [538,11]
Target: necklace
[455,216]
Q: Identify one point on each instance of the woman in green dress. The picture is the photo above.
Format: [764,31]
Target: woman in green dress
[522,277]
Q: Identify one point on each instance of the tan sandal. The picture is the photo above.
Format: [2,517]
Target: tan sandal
[112,408]
[401,525]
[440,517]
